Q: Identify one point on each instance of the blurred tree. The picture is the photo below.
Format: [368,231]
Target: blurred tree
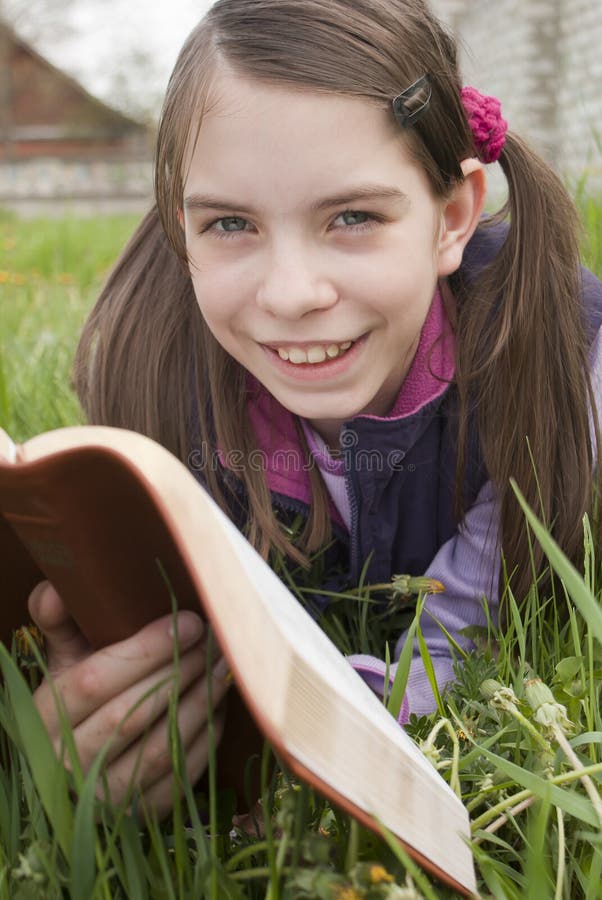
[39,20]
[132,84]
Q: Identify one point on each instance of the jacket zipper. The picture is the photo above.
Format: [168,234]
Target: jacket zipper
[353,530]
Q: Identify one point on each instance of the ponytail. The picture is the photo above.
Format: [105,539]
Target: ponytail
[522,366]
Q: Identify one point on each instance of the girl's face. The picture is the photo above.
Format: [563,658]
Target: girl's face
[309,228]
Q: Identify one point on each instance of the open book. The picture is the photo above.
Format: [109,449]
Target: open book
[93,508]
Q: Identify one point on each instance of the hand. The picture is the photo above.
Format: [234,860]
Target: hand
[98,689]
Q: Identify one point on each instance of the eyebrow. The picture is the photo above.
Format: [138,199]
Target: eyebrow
[362,193]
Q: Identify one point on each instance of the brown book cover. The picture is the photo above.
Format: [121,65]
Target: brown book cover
[95,510]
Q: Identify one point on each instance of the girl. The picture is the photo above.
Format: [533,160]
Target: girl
[322,323]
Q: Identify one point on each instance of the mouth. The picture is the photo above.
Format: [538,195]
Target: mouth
[313,360]
[309,353]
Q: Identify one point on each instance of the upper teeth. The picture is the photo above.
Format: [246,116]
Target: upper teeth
[316,354]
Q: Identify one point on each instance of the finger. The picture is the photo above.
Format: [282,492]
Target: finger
[125,719]
[159,797]
[150,758]
[95,681]
[65,644]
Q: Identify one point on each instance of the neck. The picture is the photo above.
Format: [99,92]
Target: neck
[329,430]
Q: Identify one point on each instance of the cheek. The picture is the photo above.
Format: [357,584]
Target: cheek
[402,280]
[205,296]
[218,296]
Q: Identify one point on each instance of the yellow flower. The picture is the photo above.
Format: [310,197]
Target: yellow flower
[346,892]
[65,278]
[4,277]
[17,278]
[379,874]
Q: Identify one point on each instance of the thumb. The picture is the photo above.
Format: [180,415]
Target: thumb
[65,644]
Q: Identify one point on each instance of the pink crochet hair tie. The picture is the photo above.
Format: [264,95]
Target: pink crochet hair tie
[486,123]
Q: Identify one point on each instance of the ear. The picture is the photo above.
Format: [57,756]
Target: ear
[460,216]
[181,217]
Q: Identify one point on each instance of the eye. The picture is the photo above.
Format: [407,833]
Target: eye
[354,219]
[230,224]
[227,227]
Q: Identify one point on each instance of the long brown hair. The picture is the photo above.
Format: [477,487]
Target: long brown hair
[521,368]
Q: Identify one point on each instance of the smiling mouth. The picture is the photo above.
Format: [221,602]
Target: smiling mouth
[313,354]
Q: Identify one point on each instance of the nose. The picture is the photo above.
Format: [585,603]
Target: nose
[293,283]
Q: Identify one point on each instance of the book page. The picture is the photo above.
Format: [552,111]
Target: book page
[316,649]
[8,448]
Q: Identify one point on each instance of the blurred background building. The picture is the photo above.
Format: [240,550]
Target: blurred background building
[61,146]
[543,59]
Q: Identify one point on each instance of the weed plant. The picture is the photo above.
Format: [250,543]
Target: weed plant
[518,737]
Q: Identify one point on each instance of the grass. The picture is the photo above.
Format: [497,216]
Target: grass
[50,273]
[519,737]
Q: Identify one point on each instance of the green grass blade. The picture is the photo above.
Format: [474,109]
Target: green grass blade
[48,773]
[430,670]
[594,887]
[83,863]
[400,682]
[500,878]
[408,863]
[567,800]
[135,873]
[580,594]
[5,417]
[387,674]
[537,870]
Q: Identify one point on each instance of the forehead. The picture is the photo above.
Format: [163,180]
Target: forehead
[255,131]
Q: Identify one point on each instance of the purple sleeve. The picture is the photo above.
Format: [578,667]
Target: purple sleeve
[373,672]
[468,565]
[595,360]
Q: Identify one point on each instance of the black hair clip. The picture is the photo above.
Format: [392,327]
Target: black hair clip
[412,103]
